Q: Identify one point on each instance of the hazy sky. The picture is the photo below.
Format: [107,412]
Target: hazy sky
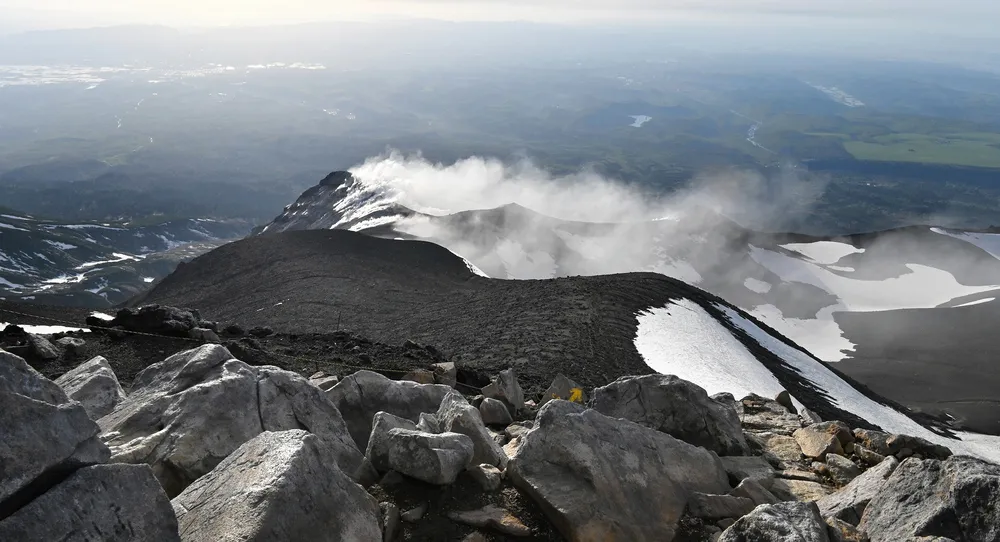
[924,13]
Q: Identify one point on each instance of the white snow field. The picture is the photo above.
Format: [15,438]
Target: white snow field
[923,287]
[683,339]
[976,302]
[990,242]
[44,330]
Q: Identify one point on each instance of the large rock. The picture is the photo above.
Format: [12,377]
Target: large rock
[445,373]
[278,487]
[875,441]
[378,443]
[189,412]
[41,348]
[753,490]
[360,396]
[494,412]
[956,498]
[916,445]
[841,469]
[798,490]
[506,388]
[781,448]
[456,415]
[849,503]
[432,458]
[602,478]
[816,443]
[157,319]
[42,431]
[95,386]
[564,388]
[492,517]
[760,414]
[753,467]
[112,503]
[676,407]
[701,505]
[782,522]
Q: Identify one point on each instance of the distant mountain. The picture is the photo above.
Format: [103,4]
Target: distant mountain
[593,329]
[97,264]
[915,301]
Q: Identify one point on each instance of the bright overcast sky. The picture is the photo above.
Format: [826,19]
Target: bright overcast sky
[215,12]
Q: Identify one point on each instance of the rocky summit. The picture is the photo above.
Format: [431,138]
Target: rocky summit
[205,447]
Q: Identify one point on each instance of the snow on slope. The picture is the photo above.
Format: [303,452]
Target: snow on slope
[824,252]
[923,287]
[683,339]
[976,302]
[990,242]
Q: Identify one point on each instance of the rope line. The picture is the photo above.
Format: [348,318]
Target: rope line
[75,325]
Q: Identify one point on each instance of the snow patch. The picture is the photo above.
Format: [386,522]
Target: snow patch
[823,252]
[821,336]
[102,316]
[639,120]
[990,242]
[847,398]
[44,330]
[757,286]
[4,225]
[976,302]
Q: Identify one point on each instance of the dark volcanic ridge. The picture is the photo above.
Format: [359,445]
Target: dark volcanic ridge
[321,281]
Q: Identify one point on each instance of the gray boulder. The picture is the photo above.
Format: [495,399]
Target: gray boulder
[841,469]
[506,388]
[429,423]
[456,415]
[565,389]
[435,459]
[875,441]
[751,467]
[95,386]
[957,498]
[676,407]
[760,414]
[849,503]
[278,487]
[204,335]
[361,395]
[782,522]
[378,443]
[41,348]
[72,345]
[323,381]
[41,429]
[113,503]
[156,319]
[753,490]
[705,506]
[897,443]
[598,477]
[487,476]
[189,412]
[492,517]
[445,373]
[816,443]
[494,412]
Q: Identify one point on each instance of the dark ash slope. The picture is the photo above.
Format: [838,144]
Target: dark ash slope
[390,291]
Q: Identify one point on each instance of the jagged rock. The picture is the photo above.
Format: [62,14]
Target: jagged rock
[113,503]
[435,459]
[235,330]
[956,498]
[261,331]
[428,423]
[598,477]
[95,386]
[705,506]
[725,398]
[208,324]
[676,407]
[487,476]
[499,437]
[506,388]
[41,429]
[810,417]
[156,319]
[798,490]
[837,429]
[188,412]
[323,381]
[781,447]
[420,376]
[916,445]
[204,335]
[816,443]
[39,347]
[753,490]
[785,399]
[414,514]
[378,443]
[841,469]
[494,412]
[564,388]
[71,345]
[850,502]
[841,531]
[361,395]
[873,440]
[390,521]
[458,416]
[867,456]
[759,414]
[751,467]
[492,517]
[445,373]
[282,486]
[782,522]
[510,449]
